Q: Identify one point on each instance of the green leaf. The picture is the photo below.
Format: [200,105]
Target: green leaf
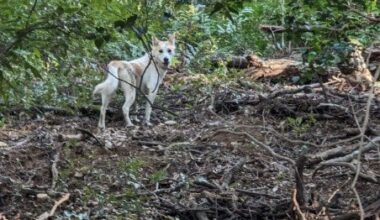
[120,24]
[217,7]
[99,42]
[131,21]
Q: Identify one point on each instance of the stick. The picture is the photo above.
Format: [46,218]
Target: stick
[84,131]
[296,205]
[46,214]
[261,144]
[362,133]
[54,171]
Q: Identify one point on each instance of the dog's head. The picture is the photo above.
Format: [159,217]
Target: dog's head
[163,51]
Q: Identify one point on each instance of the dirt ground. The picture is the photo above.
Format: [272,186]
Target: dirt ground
[228,154]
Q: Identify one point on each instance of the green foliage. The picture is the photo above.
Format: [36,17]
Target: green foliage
[48,49]
[329,28]
[158,176]
[301,125]
[133,167]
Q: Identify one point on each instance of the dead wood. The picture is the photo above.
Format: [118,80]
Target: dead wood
[253,193]
[272,68]
[343,153]
[47,215]
[299,177]
[87,133]
[272,28]
[83,135]
[332,153]
[228,174]
[372,211]
[372,145]
[296,207]
[356,71]
[367,177]
[237,62]
[54,170]
[261,144]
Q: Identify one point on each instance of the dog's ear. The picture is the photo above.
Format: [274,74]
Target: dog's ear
[172,39]
[155,41]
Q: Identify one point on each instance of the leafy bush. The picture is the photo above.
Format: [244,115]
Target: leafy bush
[48,49]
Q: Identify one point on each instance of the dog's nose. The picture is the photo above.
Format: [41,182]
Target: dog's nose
[166,60]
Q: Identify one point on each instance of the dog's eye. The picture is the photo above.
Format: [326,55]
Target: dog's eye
[161,51]
[169,51]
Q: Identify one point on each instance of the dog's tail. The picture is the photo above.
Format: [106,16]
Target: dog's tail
[109,86]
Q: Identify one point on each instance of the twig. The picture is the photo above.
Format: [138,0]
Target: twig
[46,214]
[228,174]
[278,93]
[369,178]
[326,208]
[261,144]
[349,157]
[166,190]
[300,186]
[31,12]
[8,180]
[253,193]
[362,133]
[84,131]
[296,205]
[54,171]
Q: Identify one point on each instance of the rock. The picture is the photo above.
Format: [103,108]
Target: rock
[3,144]
[42,196]
[170,122]
[78,174]
[108,144]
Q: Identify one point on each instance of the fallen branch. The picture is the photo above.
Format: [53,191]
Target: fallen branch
[370,178]
[253,193]
[228,174]
[349,157]
[296,206]
[88,133]
[47,215]
[54,171]
[261,144]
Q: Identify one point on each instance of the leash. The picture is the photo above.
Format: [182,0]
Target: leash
[139,90]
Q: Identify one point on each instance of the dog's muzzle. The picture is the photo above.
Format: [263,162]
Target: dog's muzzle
[166,61]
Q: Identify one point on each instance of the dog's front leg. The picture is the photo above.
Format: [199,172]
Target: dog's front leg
[148,108]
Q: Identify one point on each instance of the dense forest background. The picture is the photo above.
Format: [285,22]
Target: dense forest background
[271,110]
[49,48]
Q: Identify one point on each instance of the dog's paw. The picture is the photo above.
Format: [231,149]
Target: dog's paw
[130,125]
[136,119]
[100,130]
[148,124]
[101,126]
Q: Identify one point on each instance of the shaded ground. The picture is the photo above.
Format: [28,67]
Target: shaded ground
[200,165]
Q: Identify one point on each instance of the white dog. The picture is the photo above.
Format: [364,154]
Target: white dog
[133,73]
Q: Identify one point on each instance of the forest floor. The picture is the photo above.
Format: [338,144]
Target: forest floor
[234,151]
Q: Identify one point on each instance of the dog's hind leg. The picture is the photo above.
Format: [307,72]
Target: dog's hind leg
[135,110]
[106,89]
[106,99]
[130,96]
